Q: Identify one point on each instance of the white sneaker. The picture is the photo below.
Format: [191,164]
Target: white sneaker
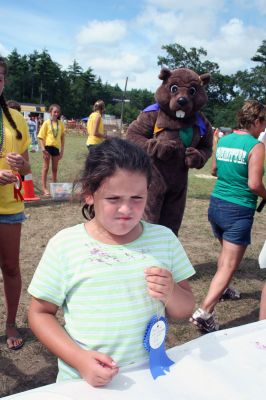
[205,321]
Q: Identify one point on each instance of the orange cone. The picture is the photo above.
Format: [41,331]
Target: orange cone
[28,188]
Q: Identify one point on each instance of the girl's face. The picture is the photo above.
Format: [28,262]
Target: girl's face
[2,80]
[55,113]
[119,205]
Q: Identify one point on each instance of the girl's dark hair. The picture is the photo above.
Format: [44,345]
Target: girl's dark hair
[3,104]
[102,162]
[251,110]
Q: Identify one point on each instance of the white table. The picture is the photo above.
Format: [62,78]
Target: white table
[226,365]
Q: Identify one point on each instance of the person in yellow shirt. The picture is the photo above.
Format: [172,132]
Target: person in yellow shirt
[14,160]
[95,126]
[52,141]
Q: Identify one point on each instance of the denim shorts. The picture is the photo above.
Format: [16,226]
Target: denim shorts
[230,221]
[12,218]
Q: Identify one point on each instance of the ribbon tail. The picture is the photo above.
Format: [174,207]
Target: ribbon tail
[159,362]
[166,362]
[17,189]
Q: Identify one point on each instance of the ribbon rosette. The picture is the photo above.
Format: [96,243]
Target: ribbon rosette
[154,343]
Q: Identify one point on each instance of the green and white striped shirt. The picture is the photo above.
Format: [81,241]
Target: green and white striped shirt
[102,289]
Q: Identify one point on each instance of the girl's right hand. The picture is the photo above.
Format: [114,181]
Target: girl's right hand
[45,155]
[96,368]
[6,177]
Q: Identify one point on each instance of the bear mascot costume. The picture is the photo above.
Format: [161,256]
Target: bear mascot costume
[177,137]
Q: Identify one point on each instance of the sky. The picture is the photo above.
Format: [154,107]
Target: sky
[122,39]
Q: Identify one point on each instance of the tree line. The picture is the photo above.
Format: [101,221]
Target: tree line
[36,78]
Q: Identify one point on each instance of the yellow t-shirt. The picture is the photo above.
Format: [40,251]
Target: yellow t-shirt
[46,133]
[92,139]
[8,204]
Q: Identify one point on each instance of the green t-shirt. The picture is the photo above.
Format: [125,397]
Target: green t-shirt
[102,288]
[232,169]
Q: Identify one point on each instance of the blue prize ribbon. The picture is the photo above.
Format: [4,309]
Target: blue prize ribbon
[159,361]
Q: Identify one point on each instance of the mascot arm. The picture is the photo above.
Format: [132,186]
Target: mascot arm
[141,131]
[197,157]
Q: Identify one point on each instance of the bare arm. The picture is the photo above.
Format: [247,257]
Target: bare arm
[42,146]
[263,303]
[96,368]
[255,170]
[62,146]
[177,297]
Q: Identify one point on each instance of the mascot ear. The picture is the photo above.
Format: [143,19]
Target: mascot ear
[164,74]
[205,79]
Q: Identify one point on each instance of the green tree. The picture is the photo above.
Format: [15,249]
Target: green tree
[260,56]
[178,57]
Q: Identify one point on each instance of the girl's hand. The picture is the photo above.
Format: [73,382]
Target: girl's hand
[16,161]
[45,155]
[96,368]
[7,177]
[160,283]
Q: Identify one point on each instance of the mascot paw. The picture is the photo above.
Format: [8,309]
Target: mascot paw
[193,158]
[162,150]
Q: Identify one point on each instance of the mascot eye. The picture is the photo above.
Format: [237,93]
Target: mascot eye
[174,89]
[192,91]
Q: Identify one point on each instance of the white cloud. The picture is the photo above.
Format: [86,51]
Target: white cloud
[3,51]
[118,48]
[101,32]
[234,46]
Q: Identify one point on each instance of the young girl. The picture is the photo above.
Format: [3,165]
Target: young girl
[95,127]
[14,160]
[111,274]
[52,139]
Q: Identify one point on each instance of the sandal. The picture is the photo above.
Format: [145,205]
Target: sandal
[11,340]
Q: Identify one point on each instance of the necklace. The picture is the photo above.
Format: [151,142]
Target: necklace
[2,134]
[55,132]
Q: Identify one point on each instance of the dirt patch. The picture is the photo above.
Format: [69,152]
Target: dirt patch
[34,366]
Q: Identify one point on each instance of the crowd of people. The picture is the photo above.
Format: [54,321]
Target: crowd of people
[108,305]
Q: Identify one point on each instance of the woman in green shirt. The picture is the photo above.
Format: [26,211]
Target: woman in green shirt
[240,167]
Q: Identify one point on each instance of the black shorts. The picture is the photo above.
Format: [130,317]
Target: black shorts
[53,151]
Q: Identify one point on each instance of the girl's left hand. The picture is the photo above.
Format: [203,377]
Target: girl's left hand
[160,283]
[15,161]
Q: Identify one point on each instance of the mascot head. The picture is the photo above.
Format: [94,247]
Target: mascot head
[182,92]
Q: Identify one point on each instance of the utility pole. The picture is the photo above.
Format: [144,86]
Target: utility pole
[122,107]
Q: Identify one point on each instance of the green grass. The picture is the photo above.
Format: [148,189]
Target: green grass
[199,187]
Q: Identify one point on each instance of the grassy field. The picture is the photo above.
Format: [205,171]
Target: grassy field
[33,365]
[201,182]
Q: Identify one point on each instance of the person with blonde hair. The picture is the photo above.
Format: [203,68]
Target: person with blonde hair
[95,126]
[52,142]
[240,167]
